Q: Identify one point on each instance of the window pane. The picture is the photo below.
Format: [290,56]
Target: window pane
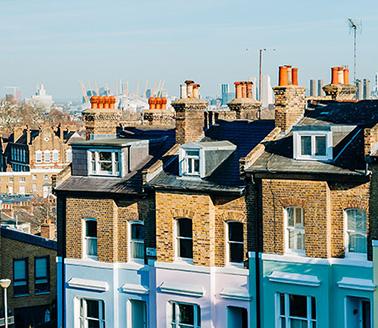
[19,269]
[357,243]
[236,252]
[298,306]
[196,165]
[184,228]
[93,309]
[190,165]
[41,267]
[298,216]
[235,231]
[137,231]
[106,166]
[186,314]
[290,216]
[91,228]
[186,248]
[92,246]
[105,156]
[192,153]
[313,308]
[320,145]
[306,145]
[137,250]
[282,304]
[93,324]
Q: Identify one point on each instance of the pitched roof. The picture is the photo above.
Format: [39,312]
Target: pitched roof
[28,238]
[346,120]
[244,134]
[159,142]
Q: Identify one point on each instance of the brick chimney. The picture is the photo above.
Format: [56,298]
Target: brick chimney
[102,119]
[189,114]
[48,229]
[289,98]
[244,105]
[28,135]
[340,88]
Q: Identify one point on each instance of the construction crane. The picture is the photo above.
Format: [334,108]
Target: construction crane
[354,27]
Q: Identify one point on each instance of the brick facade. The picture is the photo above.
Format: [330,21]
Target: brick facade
[323,204]
[209,215]
[112,218]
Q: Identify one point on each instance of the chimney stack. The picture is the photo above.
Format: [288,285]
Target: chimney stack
[102,119]
[340,88]
[190,115]
[48,230]
[244,105]
[28,135]
[289,98]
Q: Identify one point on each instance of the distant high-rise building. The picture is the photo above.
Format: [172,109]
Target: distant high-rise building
[313,92]
[225,89]
[148,93]
[367,89]
[360,90]
[376,83]
[267,92]
[12,94]
[320,88]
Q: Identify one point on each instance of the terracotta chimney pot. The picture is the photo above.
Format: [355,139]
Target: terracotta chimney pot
[346,75]
[335,76]
[152,102]
[238,90]
[294,76]
[244,89]
[289,75]
[164,103]
[196,90]
[158,103]
[94,102]
[340,75]
[249,89]
[282,76]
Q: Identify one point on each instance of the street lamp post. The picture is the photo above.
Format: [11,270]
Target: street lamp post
[4,283]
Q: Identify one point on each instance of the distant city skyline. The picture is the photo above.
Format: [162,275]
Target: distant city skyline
[61,43]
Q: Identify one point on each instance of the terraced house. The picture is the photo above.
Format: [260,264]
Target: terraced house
[228,220]
[317,212]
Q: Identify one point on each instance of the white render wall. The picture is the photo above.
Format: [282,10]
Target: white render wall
[213,289]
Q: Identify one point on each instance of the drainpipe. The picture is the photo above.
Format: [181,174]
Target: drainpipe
[375,281]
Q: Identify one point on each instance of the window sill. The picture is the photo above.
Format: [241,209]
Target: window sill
[94,259]
[355,256]
[184,261]
[21,295]
[298,254]
[41,293]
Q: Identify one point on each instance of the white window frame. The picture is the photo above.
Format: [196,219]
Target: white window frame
[228,244]
[287,311]
[131,242]
[176,323]
[85,238]
[297,138]
[289,250]
[47,159]
[83,320]
[55,157]
[38,156]
[69,155]
[177,239]
[184,158]
[116,165]
[353,255]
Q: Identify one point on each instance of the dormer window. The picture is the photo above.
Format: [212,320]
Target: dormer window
[104,162]
[192,161]
[312,145]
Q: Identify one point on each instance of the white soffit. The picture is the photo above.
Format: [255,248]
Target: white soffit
[357,283]
[182,289]
[94,285]
[294,278]
[134,289]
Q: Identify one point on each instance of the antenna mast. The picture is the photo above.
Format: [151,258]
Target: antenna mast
[354,27]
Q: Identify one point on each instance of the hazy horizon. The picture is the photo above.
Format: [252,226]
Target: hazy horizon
[212,42]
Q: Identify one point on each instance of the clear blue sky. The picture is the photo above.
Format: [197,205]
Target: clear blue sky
[62,42]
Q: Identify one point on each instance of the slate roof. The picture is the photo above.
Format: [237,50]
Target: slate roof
[346,120]
[226,177]
[28,238]
[159,142]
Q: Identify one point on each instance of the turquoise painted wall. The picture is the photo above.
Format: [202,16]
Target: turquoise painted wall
[330,298]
